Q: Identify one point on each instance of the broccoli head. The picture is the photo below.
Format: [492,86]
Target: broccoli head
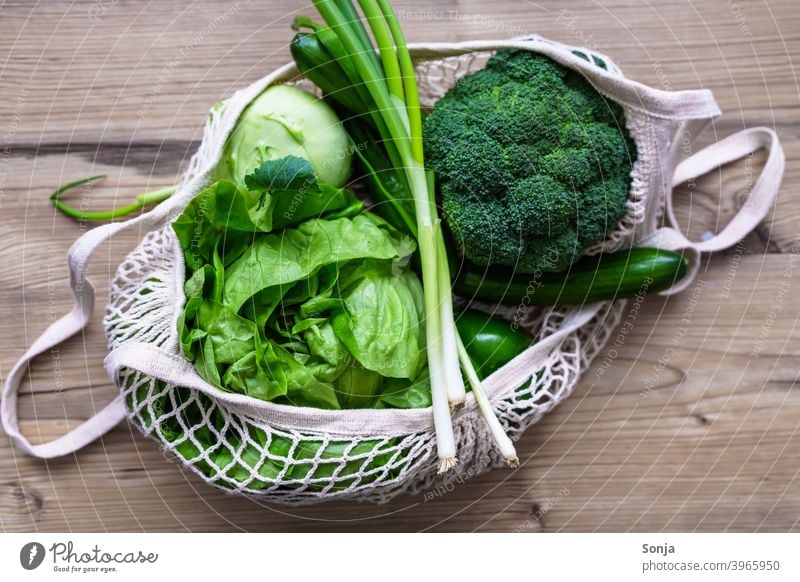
[532,162]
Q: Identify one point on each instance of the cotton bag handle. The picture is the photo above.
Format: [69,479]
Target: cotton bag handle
[759,201]
[64,328]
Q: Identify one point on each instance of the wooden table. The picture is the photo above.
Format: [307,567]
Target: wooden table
[122,88]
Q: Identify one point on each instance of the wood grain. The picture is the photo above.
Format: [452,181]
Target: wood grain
[690,424]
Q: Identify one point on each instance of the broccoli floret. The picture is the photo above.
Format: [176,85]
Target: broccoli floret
[532,162]
[486,174]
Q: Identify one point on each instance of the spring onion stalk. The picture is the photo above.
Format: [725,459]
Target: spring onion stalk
[386,49]
[142,200]
[456,391]
[500,437]
[409,84]
[391,86]
[498,434]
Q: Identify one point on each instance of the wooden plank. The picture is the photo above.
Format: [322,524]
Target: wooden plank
[701,435]
[139,71]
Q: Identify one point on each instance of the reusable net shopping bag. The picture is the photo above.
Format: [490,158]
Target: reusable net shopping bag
[298,455]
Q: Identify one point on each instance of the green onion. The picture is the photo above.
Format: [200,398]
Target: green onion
[392,97]
[142,200]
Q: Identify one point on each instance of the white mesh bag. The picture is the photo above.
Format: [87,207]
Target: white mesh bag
[299,455]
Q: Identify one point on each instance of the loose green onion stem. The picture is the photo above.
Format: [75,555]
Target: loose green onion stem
[303,21]
[142,200]
[500,437]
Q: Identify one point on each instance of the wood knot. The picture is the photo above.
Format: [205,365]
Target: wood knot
[536,517]
[17,499]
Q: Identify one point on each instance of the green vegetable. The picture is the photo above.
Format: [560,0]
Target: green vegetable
[378,162]
[274,199]
[318,313]
[142,200]
[490,341]
[287,121]
[607,276]
[533,163]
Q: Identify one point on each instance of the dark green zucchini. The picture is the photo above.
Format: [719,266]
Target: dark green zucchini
[608,276]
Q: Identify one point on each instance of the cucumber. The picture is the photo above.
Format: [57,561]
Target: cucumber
[317,63]
[608,276]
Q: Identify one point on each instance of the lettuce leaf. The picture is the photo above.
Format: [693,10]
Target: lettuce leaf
[324,313]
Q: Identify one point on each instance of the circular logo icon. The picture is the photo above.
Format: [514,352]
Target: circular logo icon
[31,555]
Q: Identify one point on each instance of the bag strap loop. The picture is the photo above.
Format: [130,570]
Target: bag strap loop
[60,330]
[759,201]
[57,332]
